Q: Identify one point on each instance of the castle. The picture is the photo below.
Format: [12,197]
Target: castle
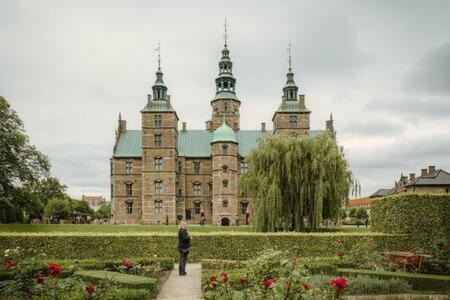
[161,174]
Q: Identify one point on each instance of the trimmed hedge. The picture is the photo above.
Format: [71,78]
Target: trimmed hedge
[232,246]
[424,282]
[121,279]
[424,217]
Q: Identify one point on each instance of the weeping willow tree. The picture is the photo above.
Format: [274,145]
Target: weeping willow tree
[295,182]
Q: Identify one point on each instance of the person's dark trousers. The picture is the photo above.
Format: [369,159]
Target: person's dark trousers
[182,263]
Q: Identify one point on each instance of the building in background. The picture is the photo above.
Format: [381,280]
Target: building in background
[431,180]
[363,202]
[161,174]
[94,202]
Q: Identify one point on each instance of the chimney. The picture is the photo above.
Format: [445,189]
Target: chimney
[431,169]
[184,126]
[263,126]
[122,125]
[424,172]
[412,176]
[149,99]
[301,98]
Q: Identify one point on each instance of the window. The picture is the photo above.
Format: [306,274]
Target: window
[210,189]
[225,106]
[225,183]
[244,206]
[197,188]
[224,149]
[112,190]
[158,206]
[225,202]
[158,163]
[196,208]
[129,208]
[128,189]
[211,207]
[158,140]
[197,167]
[188,214]
[111,167]
[293,121]
[129,167]
[158,121]
[158,187]
[225,169]
[179,166]
[244,167]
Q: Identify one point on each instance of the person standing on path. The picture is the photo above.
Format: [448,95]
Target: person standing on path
[184,243]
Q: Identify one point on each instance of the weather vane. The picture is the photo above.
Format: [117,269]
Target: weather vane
[290,58]
[225,36]
[159,55]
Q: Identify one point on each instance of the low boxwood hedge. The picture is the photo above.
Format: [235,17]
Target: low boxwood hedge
[423,217]
[234,246]
[421,282]
[121,279]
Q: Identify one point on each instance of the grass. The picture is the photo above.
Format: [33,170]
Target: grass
[125,280]
[142,228]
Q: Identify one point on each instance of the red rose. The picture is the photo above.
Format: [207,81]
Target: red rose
[225,276]
[340,254]
[242,281]
[40,279]
[306,285]
[340,241]
[127,263]
[90,288]
[339,284]
[213,278]
[53,269]
[9,266]
[268,283]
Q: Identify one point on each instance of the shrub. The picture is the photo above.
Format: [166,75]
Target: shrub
[234,246]
[424,217]
[124,280]
[221,264]
[425,282]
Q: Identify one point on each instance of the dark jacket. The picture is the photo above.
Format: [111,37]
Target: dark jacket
[184,240]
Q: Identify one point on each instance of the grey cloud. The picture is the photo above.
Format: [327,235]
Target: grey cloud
[373,127]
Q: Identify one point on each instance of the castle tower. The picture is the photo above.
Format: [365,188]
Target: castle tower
[292,116]
[159,153]
[224,172]
[225,104]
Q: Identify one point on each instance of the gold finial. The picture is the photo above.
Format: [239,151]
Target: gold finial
[159,55]
[225,35]
[290,57]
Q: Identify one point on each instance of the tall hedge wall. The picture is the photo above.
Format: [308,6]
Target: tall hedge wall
[238,246]
[425,218]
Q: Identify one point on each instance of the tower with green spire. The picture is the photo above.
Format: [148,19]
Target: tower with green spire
[292,117]
[225,103]
[159,155]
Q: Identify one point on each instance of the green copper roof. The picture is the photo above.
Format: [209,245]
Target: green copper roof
[224,134]
[226,95]
[291,106]
[159,106]
[192,143]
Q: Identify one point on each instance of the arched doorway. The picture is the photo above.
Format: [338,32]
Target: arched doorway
[225,222]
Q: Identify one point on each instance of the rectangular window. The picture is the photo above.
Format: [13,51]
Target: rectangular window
[180,192]
[196,208]
[158,140]
[197,189]
[210,189]
[293,121]
[244,206]
[188,214]
[129,208]
[158,121]
[158,207]
[225,203]
[158,187]
[158,163]
[128,167]
[224,149]
[211,207]
[179,166]
[244,167]
[128,189]
[196,167]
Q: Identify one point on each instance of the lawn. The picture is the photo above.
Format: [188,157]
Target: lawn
[141,228]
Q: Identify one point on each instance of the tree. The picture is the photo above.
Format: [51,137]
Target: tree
[352,212]
[292,179]
[343,214]
[361,214]
[20,162]
[58,208]
[104,212]
[80,208]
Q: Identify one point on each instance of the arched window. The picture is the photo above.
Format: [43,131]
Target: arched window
[225,149]
[225,169]
[244,207]
[225,85]
[158,163]
[197,188]
[128,189]
[158,187]
[158,206]
[225,203]
[225,183]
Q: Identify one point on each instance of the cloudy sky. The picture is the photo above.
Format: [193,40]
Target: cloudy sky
[381,67]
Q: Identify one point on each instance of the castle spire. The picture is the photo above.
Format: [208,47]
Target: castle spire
[159,88]
[290,89]
[225,35]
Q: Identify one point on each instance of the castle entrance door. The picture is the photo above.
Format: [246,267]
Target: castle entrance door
[225,222]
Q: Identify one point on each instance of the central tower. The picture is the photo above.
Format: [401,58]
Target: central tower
[225,105]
